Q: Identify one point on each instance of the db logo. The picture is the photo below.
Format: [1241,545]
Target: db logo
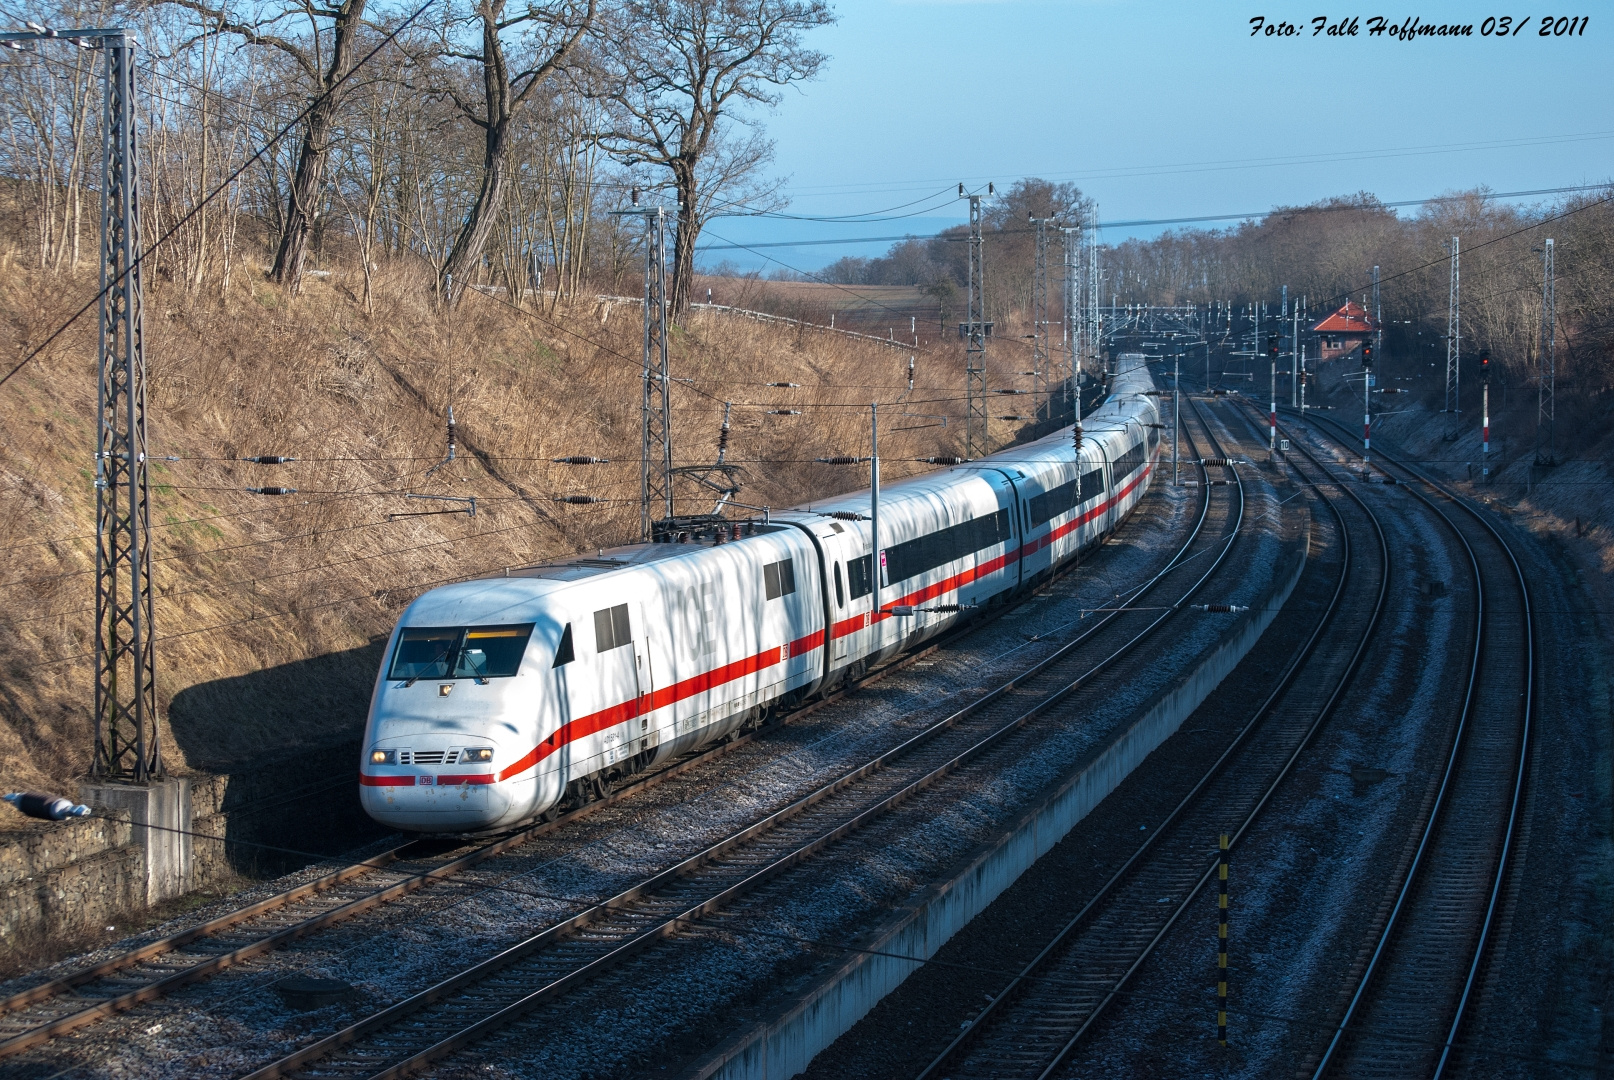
[424,781]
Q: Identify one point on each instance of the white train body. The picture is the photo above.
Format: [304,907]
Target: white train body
[497,693]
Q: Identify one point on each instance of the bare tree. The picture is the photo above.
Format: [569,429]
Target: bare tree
[554,32]
[327,79]
[675,71]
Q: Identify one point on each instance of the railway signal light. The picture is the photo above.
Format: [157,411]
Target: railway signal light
[1272,346]
[1367,354]
[1485,368]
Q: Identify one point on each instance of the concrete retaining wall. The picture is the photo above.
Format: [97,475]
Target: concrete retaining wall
[65,879]
[61,881]
[782,1047]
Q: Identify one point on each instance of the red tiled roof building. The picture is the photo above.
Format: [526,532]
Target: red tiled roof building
[1344,331]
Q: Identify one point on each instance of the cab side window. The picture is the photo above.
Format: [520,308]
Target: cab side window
[779,578]
[611,628]
[565,653]
[840,594]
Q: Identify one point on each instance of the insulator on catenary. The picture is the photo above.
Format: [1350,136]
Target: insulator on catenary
[1228,608]
[272,491]
[1221,461]
[579,500]
[1008,391]
[784,412]
[581,460]
[1014,416]
[38,804]
[843,515]
[944,460]
[840,459]
[783,385]
[723,432]
[269,459]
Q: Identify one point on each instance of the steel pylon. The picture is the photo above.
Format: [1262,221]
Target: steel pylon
[126,733]
[1546,405]
[655,473]
[977,442]
[1454,331]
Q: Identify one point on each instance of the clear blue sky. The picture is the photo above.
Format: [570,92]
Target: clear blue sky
[1163,110]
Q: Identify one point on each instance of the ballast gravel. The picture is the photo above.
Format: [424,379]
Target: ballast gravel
[236,1022]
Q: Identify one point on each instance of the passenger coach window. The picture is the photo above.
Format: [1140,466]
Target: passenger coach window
[564,652]
[1066,497]
[779,578]
[459,652]
[611,630]
[913,557]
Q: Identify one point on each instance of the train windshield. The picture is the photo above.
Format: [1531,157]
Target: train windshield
[459,652]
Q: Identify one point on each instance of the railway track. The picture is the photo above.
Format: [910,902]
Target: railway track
[601,937]
[32,1017]
[1409,1000]
[1032,1025]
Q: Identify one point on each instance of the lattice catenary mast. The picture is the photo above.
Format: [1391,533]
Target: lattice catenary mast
[126,739]
[1094,322]
[1070,239]
[1546,407]
[1040,379]
[655,438]
[976,440]
[1454,332]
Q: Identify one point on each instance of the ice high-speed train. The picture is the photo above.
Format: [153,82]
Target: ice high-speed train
[501,697]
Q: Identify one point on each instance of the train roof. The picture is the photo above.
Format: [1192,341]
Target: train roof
[1131,380]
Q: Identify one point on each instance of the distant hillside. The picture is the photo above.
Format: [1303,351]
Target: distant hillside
[897,311]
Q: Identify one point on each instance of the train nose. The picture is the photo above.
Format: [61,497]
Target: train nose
[432,783]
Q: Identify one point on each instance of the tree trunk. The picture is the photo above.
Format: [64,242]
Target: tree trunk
[306,185]
[466,255]
[685,233]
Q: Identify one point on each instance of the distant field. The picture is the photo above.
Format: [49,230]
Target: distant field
[869,309]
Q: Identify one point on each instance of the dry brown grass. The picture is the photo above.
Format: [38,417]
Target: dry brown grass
[268,608]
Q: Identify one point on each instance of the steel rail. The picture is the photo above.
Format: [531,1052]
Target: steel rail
[663,927]
[1050,953]
[1435,819]
[160,987]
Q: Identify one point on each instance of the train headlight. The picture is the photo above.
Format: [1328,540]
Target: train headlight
[477,753]
[383,757]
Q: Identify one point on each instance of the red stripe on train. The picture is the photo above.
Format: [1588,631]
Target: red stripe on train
[596,722]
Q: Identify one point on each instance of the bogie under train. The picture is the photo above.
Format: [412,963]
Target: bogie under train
[501,698]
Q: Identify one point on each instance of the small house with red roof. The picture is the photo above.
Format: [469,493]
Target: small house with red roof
[1343,332]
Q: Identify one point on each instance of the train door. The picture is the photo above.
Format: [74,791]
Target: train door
[644,733]
[841,643]
[1108,504]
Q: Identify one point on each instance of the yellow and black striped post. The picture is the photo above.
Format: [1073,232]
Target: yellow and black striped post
[1221,944]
